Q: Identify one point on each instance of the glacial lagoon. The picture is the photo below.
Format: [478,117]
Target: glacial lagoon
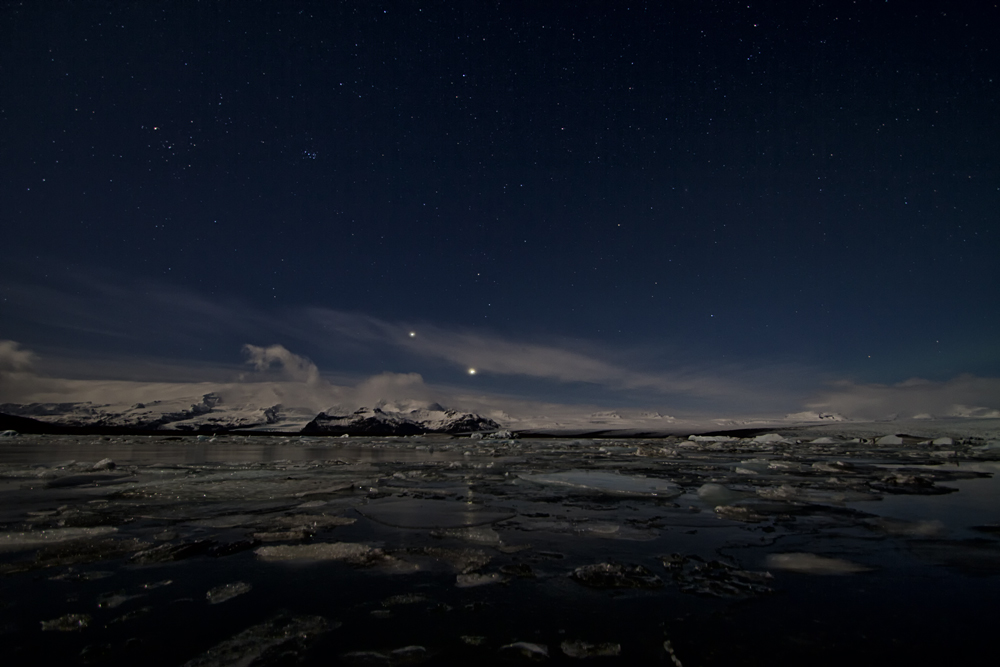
[270,550]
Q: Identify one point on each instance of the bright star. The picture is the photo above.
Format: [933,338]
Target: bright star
[472,371]
[413,334]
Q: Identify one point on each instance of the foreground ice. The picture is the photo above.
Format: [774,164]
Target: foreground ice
[24,540]
[282,635]
[475,551]
[359,554]
[607,482]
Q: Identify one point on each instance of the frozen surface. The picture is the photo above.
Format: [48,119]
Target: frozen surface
[799,546]
[600,481]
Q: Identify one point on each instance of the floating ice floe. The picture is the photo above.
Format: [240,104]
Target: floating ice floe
[714,495]
[477,535]
[616,575]
[407,655]
[808,563]
[226,592]
[351,552]
[67,623]
[287,636]
[582,649]
[769,437]
[472,580]
[21,541]
[527,650]
[413,513]
[599,481]
[715,578]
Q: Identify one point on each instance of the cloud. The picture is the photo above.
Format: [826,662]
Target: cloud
[963,396]
[295,367]
[15,359]
[571,362]
[393,387]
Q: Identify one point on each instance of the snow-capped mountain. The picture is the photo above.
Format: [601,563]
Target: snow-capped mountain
[210,413]
[383,420]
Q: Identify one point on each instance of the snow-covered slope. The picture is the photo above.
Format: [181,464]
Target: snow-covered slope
[386,421]
[210,413]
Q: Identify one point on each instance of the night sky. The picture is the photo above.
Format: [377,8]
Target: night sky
[708,206]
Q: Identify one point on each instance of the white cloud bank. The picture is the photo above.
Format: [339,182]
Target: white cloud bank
[963,396]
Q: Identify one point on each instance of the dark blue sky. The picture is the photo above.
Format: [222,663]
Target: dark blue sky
[717,188]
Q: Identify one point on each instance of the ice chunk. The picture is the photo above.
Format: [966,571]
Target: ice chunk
[226,592]
[404,598]
[21,541]
[351,552]
[808,563]
[527,650]
[284,636]
[736,513]
[715,578]
[616,575]
[712,438]
[769,437]
[477,535]
[472,580]
[412,513]
[67,623]
[407,655]
[943,441]
[104,464]
[613,483]
[166,553]
[581,649]
[116,599]
[714,495]
[889,440]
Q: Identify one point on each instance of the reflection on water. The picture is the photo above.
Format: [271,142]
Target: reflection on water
[27,450]
[170,551]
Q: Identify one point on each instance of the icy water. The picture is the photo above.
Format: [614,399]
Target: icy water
[437,551]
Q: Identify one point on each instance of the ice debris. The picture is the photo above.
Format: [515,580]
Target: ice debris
[616,575]
[407,655]
[808,563]
[226,592]
[527,650]
[20,541]
[67,623]
[581,649]
[287,637]
[351,552]
[104,464]
[473,580]
[612,483]
[715,578]
[714,495]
